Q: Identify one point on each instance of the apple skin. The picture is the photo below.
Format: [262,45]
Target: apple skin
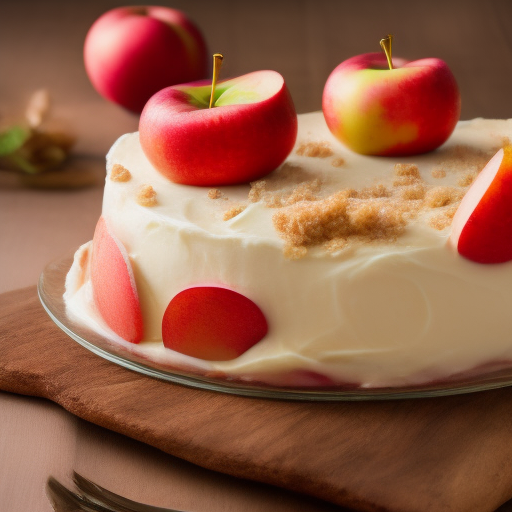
[247,134]
[212,323]
[482,225]
[113,285]
[373,110]
[132,52]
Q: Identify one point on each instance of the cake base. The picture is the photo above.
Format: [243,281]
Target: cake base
[297,385]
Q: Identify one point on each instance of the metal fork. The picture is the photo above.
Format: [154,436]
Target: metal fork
[91,497]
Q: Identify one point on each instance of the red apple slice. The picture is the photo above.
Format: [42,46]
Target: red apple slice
[482,226]
[212,323]
[114,289]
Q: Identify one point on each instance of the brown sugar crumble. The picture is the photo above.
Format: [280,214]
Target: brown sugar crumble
[315,149]
[444,219]
[146,196]
[442,196]
[338,162]
[467,179]
[120,173]
[233,212]
[214,193]
[339,217]
[293,252]
[407,170]
[413,192]
[311,212]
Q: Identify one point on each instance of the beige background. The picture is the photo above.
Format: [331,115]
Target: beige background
[41,45]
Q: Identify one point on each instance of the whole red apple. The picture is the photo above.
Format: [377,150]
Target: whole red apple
[248,132]
[132,52]
[375,110]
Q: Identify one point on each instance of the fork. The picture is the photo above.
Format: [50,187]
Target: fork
[91,497]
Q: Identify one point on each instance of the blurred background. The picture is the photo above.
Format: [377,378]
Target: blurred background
[41,46]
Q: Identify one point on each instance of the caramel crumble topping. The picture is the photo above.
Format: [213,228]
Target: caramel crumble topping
[463,159]
[339,217]
[369,192]
[442,196]
[214,193]
[120,173]
[413,192]
[146,196]
[338,162]
[233,212]
[467,179]
[311,210]
[444,219]
[257,190]
[315,149]
[410,170]
[293,252]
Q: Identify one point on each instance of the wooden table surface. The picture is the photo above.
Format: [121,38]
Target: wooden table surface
[41,45]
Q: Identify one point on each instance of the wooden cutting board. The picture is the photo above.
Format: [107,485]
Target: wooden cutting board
[433,454]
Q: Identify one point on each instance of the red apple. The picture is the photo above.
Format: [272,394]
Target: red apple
[132,52]
[113,284]
[212,323]
[248,132]
[482,225]
[375,110]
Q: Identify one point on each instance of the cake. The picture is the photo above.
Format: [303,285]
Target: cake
[345,256]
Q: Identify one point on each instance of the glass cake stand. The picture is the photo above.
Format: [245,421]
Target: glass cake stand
[51,290]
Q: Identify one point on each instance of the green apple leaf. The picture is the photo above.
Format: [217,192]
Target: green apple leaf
[12,139]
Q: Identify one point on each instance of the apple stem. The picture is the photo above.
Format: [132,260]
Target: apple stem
[217,63]
[386,46]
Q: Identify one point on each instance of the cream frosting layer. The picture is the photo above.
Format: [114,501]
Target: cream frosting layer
[375,314]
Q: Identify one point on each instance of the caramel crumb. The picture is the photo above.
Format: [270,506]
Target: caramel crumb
[438,173]
[287,195]
[413,192]
[369,192]
[339,216]
[294,253]
[257,190]
[146,196]
[304,192]
[315,149]
[338,162]
[335,245]
[233,212]
[214,193]
[467,179]
[464,158]
[442,196]
[439,222]
[450,212]
[407,170]
[120,173]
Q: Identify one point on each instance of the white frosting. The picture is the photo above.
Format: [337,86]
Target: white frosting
[386,314]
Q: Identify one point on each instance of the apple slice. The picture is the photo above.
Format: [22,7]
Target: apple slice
[482,226]
[114,289]
[212,323]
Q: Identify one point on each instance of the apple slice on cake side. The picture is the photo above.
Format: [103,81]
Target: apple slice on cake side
[482,225]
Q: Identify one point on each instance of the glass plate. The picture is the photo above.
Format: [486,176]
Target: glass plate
[51,290]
